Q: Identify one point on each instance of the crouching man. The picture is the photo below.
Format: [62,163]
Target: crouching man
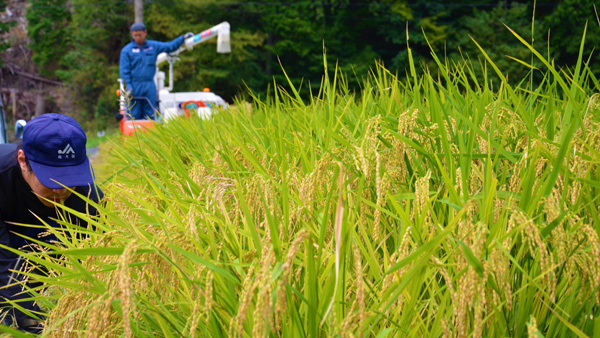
[33,176]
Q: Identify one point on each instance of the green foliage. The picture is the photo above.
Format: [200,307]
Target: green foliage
[488,28]
[565,22]
[4,27]
[98,31]
[79,41]
[422,207]
[50,34]
[293,34]
[396,19]
[282,22]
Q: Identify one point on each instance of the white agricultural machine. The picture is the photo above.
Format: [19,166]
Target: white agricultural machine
[172,105]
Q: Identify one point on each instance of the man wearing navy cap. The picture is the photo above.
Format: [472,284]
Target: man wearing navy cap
[137,66]
[36,175]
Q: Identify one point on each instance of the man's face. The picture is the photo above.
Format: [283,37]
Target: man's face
[42,192]
[139,36]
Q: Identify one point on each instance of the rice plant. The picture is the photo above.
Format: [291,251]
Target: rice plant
[426,206]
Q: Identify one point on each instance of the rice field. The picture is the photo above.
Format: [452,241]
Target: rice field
[427,205]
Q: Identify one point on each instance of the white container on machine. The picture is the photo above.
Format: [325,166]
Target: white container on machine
[174,104]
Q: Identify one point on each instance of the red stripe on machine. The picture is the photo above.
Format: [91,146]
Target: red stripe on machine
[206,33]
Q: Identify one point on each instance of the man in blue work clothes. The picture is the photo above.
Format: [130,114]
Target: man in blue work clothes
[138,65]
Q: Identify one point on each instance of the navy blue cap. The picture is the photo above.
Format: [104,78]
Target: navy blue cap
[138,26]
[54,144]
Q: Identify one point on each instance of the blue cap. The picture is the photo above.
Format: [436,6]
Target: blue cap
[54,144]
[138,26]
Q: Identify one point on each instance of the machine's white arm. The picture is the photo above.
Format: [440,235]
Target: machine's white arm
[221,31]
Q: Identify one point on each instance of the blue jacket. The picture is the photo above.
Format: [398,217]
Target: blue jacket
[139,64]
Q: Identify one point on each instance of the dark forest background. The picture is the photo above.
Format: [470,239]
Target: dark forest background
[67,51]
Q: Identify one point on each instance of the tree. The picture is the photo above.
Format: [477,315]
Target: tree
[487,26]
[565,25]
[90,65]
[48,29]
[4,27]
